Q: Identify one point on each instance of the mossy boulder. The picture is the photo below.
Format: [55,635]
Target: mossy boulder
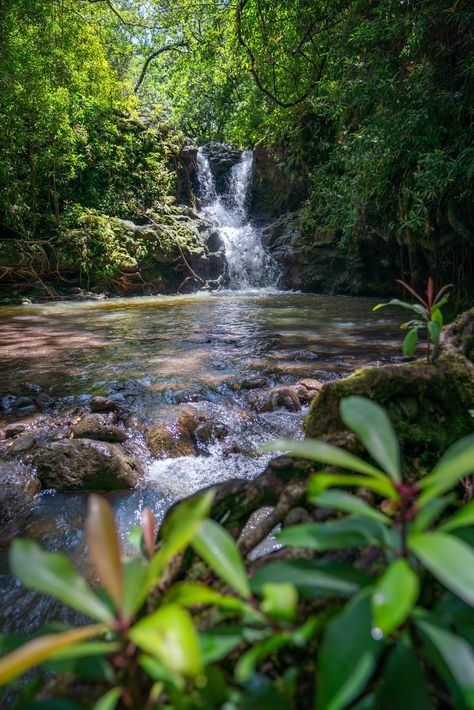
[428,404]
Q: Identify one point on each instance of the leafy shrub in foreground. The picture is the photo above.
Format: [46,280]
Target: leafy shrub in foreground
[392,629]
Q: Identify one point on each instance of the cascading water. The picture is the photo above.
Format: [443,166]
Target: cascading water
[249,265]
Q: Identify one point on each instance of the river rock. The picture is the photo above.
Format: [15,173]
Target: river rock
[103,404]
[249,383]
[22,443]
[12,430]
[23,405]
[173,439]
[308,389]
[17,491]
[98,426]
[83,464]
[276,398]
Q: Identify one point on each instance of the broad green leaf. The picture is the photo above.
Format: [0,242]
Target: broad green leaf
[410,341]
[216,643]
[437,316]
[279,600]
[247,663]
[348,656]
[104,547]
[135,538]
[341,500]
[371,423]
[415,307]
[393,597]
[109,700]
[217,547]
[457,655]
[429,512]
[320,482]
[170,636]
[403,683]
[40,649]
[312,578]
[159,672]
[135,574]
[324,453]
[177,532]
[461,519]
[351,531]
[447,558]
[52,573]
[434,329]
[190,594]
[456,463]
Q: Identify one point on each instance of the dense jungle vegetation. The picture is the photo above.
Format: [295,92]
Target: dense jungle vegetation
[366,106]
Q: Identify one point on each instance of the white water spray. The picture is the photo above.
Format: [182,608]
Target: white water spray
[248,264]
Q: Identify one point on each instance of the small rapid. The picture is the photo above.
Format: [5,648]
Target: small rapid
[248,264]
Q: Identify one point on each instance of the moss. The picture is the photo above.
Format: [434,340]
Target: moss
[428,404]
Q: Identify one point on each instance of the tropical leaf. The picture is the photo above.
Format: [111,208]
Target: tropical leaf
[52,573]
[375,430]
[324,453]
[218,549]
[393,597]
[104,547]
[40,649]
[170,636]
[447,558]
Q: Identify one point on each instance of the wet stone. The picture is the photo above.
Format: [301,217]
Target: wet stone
[22,443]
[103,404]
[14,429]
[84,464]
[100,427]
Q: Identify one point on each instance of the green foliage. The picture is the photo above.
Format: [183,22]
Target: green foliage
[430,317]
[200,646]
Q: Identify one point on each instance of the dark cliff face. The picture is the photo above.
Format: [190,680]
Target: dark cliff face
[275,191]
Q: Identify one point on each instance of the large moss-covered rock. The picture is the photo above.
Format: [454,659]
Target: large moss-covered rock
[428,404]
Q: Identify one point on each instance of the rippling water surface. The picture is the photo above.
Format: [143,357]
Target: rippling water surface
[155,355]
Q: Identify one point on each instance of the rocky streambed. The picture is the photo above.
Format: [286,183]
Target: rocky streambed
[152,399]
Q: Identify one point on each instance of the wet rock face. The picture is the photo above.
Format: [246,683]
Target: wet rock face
[307,264]
[222,158]
[100,427]
[85,465]
[275,190]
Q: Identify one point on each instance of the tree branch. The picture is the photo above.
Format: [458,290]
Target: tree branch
[152,56]
[253,63]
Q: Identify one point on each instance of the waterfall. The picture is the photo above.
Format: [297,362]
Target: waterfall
[249,266]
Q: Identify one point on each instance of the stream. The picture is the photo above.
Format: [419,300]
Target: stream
[159,355]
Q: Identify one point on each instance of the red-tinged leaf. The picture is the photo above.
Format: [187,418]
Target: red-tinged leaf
[149,529]
[40,649]
[429,291]
[104,547]
[413,292]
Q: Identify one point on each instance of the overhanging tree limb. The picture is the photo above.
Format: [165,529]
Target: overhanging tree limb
[154,55]
[253,63]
